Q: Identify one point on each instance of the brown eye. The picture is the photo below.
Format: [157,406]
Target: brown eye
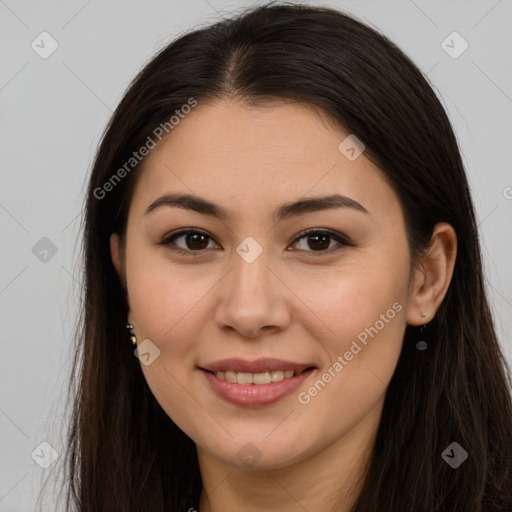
[193,241]
[320,240]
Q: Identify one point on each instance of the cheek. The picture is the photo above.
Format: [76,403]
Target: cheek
[366,344]
[165,305]
[363,304]
[366,311]
[351,301]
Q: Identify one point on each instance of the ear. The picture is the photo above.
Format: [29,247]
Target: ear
[433,275]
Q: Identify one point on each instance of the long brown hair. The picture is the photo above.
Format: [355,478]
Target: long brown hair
[125,454]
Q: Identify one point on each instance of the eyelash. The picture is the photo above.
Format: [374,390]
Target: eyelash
[342,240]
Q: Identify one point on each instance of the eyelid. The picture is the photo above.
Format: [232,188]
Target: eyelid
[168,240]
[338,237]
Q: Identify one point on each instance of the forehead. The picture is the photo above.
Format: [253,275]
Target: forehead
[254,156]
[232,132]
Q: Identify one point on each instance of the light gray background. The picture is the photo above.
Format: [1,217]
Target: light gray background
[53,112]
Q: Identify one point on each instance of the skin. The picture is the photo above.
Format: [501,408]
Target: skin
[286,304]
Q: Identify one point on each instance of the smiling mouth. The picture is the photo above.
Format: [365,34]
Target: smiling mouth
[260,378]
[261,389]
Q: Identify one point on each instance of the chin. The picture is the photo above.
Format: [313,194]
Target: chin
[259,452]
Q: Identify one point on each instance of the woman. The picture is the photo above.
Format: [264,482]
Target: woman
[279,220]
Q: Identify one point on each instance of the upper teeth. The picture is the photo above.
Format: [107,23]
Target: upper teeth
[256,378]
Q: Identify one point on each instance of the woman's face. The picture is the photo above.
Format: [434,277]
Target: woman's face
[250,285]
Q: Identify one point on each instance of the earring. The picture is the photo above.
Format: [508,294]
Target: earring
[421,344]
[132,337]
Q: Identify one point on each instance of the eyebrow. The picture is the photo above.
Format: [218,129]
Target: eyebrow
[285,211]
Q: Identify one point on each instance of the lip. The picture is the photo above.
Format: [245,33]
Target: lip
[255,395]
[257,366]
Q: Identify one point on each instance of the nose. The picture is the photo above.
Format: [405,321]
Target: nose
[254,300]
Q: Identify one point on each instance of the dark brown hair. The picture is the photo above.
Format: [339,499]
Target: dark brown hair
[125,453]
